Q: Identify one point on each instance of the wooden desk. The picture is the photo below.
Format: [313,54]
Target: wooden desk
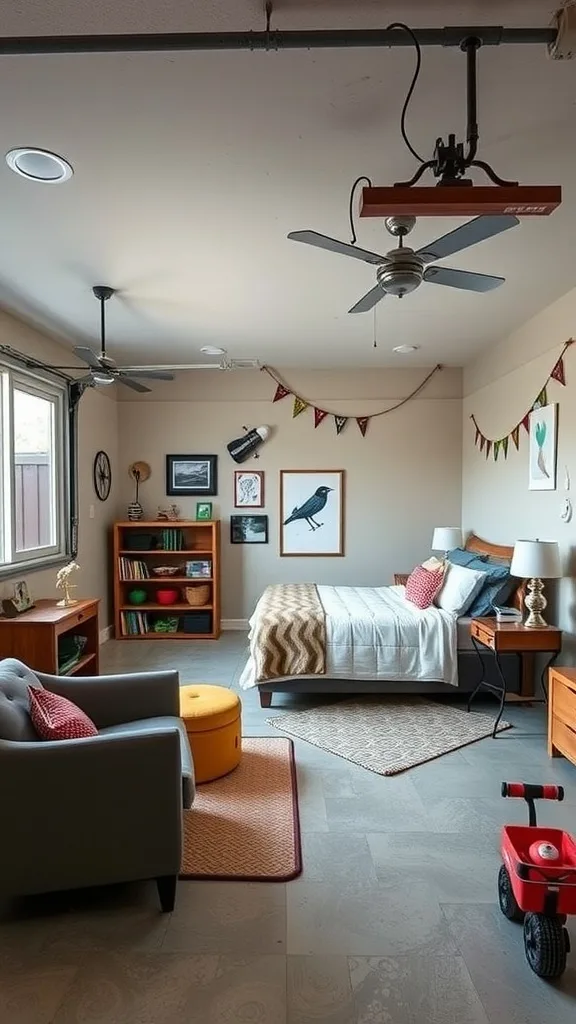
[562,713]
[33,636]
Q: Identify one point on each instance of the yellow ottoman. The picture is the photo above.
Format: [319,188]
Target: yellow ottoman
[213,723]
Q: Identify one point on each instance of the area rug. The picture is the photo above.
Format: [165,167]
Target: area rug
[245,826]
[389,735]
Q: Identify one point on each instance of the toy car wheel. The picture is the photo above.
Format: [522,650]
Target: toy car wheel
[506,897]
[545,945]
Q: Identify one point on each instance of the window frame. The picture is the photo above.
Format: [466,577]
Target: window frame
[34,382]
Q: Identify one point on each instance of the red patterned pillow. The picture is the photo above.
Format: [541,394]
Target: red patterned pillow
[422,586]
[56,718]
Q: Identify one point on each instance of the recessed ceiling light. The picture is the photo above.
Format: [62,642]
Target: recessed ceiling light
[39,165]
[213,350]
[404,349]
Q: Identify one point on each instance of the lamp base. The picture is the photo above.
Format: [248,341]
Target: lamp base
[535,603]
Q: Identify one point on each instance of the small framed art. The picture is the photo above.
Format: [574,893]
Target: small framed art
[312,512]
[248,529]
[191,474]
[203,510]
[249,488]
[543,451]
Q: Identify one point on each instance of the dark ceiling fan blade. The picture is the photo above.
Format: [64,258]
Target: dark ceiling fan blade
[369,300]
[462,279]
[150,374]
[87,356]
[333,245]
[134,385]
[468,234]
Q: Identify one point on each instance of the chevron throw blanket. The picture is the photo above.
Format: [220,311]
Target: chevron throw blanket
[289,633]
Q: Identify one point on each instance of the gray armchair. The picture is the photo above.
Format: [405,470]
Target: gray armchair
[94,811]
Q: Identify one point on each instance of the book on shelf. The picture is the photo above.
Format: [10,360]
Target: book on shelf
[133,569]
[172,540]
[134,623]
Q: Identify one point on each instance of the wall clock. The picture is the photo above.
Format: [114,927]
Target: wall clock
[102,475]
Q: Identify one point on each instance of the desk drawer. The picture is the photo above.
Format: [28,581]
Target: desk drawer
[76,619]
[563,703]
[563,738]
[483,635]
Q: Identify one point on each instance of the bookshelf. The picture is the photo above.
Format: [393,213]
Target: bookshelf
[193,548]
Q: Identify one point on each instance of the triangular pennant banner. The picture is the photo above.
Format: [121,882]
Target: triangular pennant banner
[340,422]
[319,415]
[505,447]
[299,406]
[488,447]
[496,449]
[516,436]
[362,422]
[478,435]
[542,398]
[526,422]
[558,372]
[482,442]
[281,392]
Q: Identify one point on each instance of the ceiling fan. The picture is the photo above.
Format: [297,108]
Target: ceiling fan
[103,369]
[403,269]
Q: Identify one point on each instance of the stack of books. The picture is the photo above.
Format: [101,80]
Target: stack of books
[134,623]
[133,569]
[172,540]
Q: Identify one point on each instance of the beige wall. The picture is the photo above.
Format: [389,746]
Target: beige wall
[98,428]
[402,479]
[496,502]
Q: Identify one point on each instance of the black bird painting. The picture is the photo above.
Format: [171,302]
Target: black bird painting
[312,507]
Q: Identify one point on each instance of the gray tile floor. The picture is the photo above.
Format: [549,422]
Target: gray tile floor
[394,918]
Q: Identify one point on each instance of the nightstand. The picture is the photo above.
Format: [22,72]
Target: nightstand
[513,638]
[562,713]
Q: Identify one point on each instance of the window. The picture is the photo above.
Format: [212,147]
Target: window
[34,491]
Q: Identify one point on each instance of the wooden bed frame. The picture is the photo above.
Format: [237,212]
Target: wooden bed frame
[473,543]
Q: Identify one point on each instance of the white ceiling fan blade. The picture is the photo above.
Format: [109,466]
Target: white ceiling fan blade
[369,300]
[462,279]
[334,245]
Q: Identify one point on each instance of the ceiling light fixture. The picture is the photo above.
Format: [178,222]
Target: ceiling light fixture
[39,165]
[213,350]
[403,350]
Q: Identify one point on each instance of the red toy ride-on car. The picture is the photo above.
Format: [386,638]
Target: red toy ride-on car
[537,881]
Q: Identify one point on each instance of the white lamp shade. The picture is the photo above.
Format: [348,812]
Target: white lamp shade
[446,538]
[536,559]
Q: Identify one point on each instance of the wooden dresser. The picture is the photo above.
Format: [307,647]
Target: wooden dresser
[562,713]
[40,637]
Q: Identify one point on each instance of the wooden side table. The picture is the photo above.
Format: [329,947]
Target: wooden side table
[562,713]
[512,638]
[33,636]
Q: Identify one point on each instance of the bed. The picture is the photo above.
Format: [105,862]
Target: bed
[375,642]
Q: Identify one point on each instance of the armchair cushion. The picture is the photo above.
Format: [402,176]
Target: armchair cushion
[160,724]
[15,722]
[56,718]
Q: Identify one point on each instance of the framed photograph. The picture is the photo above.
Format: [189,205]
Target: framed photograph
[203,510]
[312,512]
[248,529]
[542,458]
[191,474]
[248,488]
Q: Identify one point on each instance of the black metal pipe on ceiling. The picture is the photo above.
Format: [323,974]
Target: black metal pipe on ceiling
[489,35]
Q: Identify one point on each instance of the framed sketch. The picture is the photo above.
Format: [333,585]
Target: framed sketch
[248,529]
[542,458]
[312,512]
[191,474]
[248,488]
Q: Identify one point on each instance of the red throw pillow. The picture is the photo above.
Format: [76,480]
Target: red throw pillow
[56,718]
[422,586]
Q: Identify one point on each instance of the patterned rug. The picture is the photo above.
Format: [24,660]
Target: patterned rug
[245,826]
[389,735]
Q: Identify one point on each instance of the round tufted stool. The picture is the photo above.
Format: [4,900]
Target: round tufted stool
[213,723]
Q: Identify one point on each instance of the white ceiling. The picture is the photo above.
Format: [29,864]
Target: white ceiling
[191,168]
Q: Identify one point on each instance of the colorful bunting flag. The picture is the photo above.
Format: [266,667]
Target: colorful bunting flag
[505,447]
[542,399]
[340,422]
[526,422]
[515,435]
[362,422]
[299,406]
[319,415]
[558,372]
[488,447]
[281,392]
[477,435]
[496,449]
[482,442]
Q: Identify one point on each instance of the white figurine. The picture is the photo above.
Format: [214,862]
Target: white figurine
[63,583]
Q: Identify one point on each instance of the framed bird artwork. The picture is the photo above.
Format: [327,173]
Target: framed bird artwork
[312,512]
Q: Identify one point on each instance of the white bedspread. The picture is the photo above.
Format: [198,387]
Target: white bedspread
[374,633]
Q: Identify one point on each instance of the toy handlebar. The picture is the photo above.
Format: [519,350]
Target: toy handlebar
[528,791]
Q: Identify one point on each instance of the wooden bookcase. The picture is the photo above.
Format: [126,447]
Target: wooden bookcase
[139,548]
[39,637]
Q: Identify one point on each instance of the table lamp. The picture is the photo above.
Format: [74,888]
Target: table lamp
[535,560]
[446,538]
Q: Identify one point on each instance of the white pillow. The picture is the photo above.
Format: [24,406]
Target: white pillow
[459,589]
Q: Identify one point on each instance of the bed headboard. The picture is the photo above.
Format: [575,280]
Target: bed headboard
[483,547]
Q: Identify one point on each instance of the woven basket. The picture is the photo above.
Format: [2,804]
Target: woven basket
[198,595]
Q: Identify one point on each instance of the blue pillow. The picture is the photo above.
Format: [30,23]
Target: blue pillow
[459,556]
[496,588]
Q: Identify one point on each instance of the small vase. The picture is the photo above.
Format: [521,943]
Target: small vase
[135,511]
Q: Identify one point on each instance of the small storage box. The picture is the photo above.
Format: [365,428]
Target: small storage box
[135,541]
[197,622]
